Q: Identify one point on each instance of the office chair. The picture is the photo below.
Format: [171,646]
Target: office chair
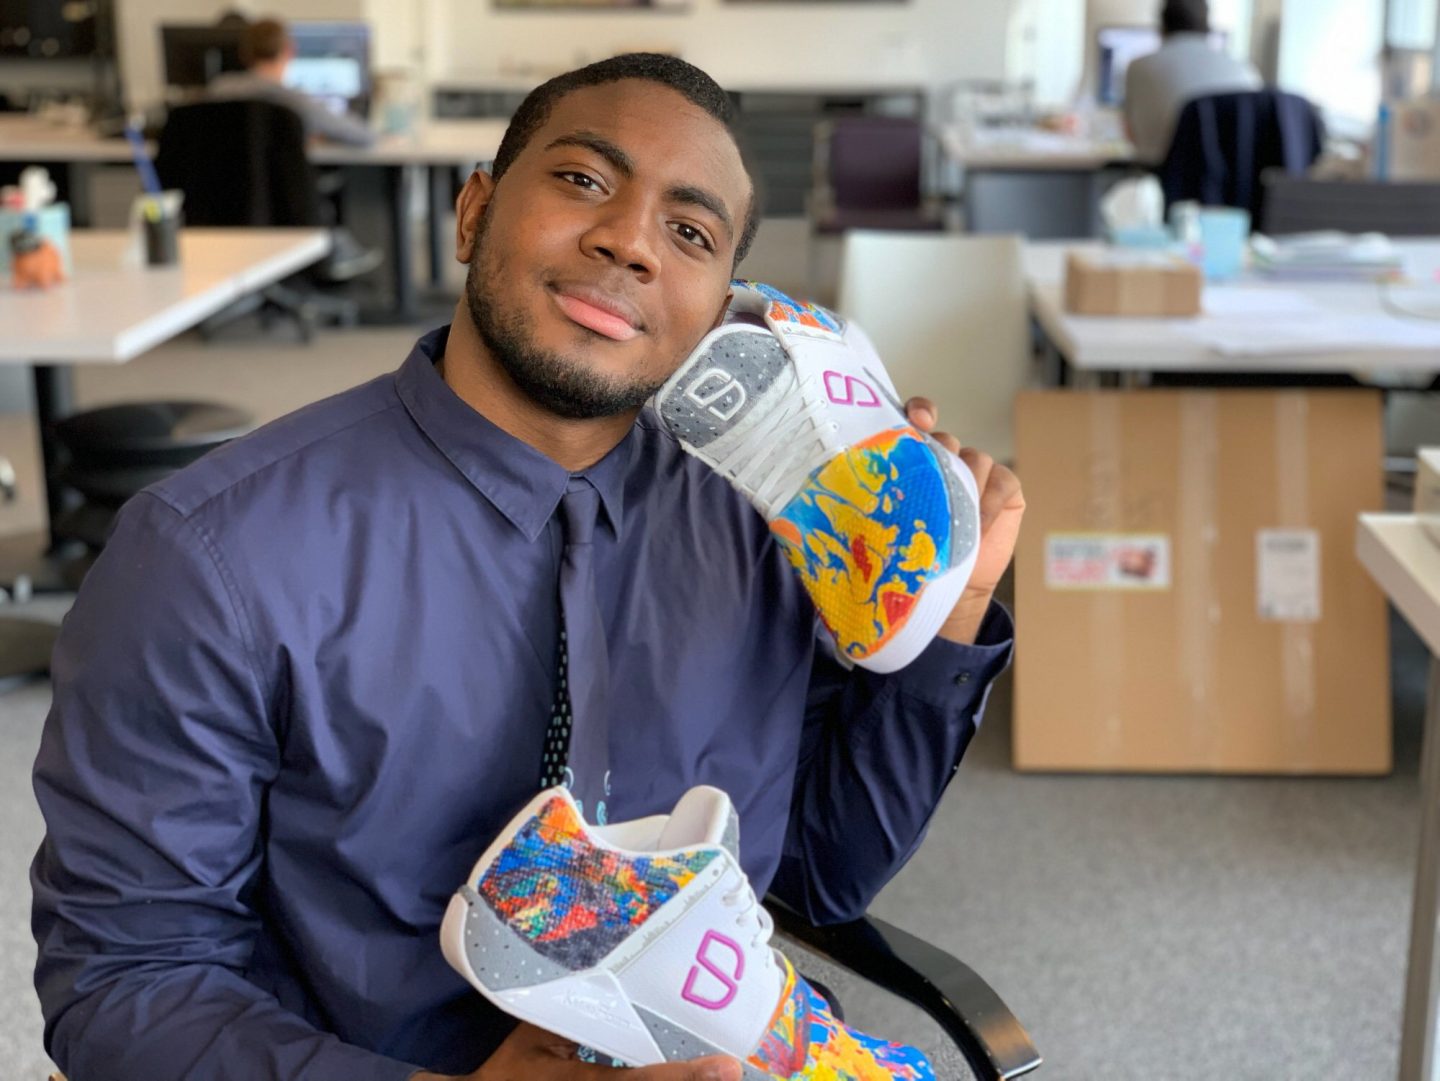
[950,315]
[1297,204]
[1225,143]
[109,454]
[988,1043]
[243,163]
[868,174]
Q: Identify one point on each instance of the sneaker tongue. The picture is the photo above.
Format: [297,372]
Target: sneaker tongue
[704,816]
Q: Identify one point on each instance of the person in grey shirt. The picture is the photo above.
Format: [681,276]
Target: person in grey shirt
[266,50]
[1187,66]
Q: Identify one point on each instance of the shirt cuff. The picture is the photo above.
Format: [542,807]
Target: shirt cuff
[950,675]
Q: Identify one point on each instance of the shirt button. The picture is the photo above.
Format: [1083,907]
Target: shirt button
[962,679]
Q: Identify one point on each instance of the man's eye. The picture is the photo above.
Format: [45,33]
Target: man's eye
[580,180]
[691,235]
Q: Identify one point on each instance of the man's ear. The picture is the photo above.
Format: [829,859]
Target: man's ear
[470,207]
[724,307]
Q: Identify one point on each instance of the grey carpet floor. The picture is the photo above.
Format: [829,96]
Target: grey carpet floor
[1150,928]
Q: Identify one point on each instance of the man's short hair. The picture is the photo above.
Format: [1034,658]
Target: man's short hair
[263,41]
[1185,17]
[671,71]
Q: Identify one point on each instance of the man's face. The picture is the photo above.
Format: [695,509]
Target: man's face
[603,255]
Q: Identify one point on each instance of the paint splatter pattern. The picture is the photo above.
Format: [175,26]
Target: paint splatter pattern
[867,531]
[806,1041]
[573,900]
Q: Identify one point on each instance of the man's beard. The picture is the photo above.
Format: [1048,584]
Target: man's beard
[556,383]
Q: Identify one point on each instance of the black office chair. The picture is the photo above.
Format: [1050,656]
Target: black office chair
[1225,143]
[110,453]
[243,163]
[1298,204]
[992,1043]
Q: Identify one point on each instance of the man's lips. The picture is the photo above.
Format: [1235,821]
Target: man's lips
[598,311]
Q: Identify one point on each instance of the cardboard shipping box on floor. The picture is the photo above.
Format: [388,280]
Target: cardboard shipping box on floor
[1187,593]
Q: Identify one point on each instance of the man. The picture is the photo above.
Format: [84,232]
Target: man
[310,677]
[266,51]
[1187,66]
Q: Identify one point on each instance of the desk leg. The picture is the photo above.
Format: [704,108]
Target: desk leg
[403,243]
[54,398]
[440,188]
[1417,1040]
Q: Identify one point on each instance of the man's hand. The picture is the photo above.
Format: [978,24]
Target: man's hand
[1002,505]
[532,1054]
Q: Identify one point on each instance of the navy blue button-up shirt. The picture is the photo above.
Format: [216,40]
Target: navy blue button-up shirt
[309,679]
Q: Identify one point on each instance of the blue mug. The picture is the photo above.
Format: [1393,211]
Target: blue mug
[1224,232]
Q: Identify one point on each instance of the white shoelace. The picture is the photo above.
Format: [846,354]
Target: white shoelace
[784,454]
[744,894]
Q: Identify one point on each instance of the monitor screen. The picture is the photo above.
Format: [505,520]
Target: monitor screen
[331,62]
[1119,46]
[196,54]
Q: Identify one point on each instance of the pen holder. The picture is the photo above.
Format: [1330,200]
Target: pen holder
[159,217]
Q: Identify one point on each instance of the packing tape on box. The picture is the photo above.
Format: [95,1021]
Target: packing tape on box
[1107,611]
[1197,609]
[1297,638]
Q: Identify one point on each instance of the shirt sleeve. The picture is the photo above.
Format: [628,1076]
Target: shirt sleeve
[337,127]
[151,776]
[877,753]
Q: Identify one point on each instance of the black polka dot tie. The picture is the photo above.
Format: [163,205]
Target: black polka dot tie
[557,735]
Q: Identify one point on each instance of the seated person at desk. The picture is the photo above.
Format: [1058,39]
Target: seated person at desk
[266,50]
[1187,66]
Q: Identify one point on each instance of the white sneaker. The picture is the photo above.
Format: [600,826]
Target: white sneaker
[792,406]
[644,941]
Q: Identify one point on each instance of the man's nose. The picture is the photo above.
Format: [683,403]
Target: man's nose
[625,234]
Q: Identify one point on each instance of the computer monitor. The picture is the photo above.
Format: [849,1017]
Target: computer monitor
[196,54]
[332,64]
[1118,46]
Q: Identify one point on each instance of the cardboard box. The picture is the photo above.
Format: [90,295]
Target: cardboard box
[1132,283]
[1187,593]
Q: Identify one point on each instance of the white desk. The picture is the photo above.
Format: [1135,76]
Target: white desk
[110,312]
[437,147]
[441,142]
[1406,565]
[1253,325]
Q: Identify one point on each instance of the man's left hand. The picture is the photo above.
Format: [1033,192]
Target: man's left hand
[1002,505]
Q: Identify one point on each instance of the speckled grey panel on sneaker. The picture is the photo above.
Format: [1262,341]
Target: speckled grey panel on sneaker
[721,386]
[730,839]
[501,958]
[679,1045]
[964,516]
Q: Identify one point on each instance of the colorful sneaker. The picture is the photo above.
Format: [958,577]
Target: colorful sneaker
[792,406]
[644,941]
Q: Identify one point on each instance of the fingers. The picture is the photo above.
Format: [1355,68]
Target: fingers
[999,487]
[713,1068]
[946,440]
[922,413]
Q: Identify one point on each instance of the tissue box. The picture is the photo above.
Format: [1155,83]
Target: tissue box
[51,222]
[1135,283]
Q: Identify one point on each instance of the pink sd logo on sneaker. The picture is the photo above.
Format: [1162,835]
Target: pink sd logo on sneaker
[848,390]
[703,960]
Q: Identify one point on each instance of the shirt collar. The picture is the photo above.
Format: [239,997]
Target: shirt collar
[522,484]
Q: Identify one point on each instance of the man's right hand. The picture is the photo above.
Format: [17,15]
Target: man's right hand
[532,1054]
